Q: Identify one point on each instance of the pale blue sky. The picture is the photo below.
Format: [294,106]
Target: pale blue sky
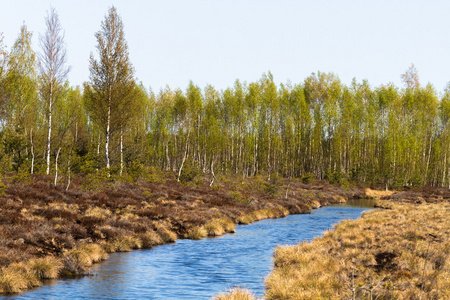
[216,42]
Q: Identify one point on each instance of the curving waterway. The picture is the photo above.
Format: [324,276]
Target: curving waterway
[197,269]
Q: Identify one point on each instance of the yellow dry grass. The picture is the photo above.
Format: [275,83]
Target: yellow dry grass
[378,193]
[197,233]
[17,277]
[46,267]
[214,228]
[401,253]
[87,254]
[236,294]
[163,228]
[150,239]
[127,243]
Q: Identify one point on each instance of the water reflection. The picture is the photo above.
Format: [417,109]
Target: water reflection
[197,269]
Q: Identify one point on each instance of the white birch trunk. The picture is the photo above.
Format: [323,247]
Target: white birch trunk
[68,171]
[49,129]
[121,151]
[212,172]
[56,165]
[107,139]
[32,151]
[184,157]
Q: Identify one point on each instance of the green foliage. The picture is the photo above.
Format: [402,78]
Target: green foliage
[189,173]
[97,180]
[136,171]
[316,129]
[236,196]
[22,176]
[155,175]
[273,186]
[3,187]
[335,177]
[307,178]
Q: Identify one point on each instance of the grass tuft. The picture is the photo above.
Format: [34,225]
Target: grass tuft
[165,233]
[47,267]
[236,294]
[127,243]
[79,260]
[150,239]
[228,225]
[16,278]
[197,233]
[214,228]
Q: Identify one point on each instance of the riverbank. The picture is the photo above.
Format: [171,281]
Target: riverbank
[399,252]
[51,232]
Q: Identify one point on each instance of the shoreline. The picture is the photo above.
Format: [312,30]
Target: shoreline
[401,251]
[64,237]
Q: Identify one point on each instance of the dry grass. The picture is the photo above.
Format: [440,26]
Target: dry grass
[214,228]
[246,219]
[16,278]
[236,294]
[150,239]
[378,193]
[127,243]
[79,260]
[165,232]
[46,268]
[228,225]
[197,233]
[401,253]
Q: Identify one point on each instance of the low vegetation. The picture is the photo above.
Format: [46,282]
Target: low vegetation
[399,252]
[50,232]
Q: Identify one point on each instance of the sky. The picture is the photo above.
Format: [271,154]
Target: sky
[218,41]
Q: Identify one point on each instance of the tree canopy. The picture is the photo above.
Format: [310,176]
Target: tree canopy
[320,127]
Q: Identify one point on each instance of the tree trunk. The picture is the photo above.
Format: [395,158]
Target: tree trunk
[56,165]
[107,138]
[68,171]
[49,128]
[212,172]
[121,150]
[32,151]
[98,145]
[184,157]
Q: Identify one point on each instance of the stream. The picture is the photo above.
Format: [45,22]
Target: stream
[200,269]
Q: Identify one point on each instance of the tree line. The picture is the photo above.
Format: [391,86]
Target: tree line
[113,125]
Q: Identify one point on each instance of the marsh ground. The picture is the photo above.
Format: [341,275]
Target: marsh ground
[50,232]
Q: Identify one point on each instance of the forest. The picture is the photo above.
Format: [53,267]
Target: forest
[114,128]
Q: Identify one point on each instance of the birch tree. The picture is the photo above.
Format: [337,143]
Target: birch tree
[53,69]
[3,63]
[111,87]
[20,103]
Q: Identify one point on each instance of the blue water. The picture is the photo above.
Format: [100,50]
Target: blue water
[196,269]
